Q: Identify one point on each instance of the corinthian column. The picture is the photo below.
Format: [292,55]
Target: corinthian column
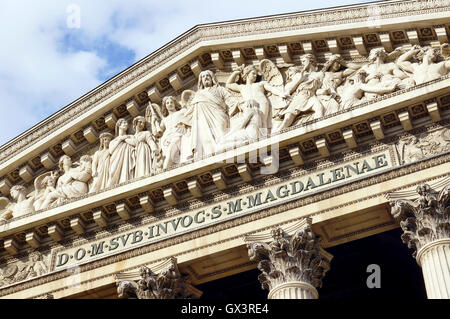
[292,261]
[426,229]
[163,281]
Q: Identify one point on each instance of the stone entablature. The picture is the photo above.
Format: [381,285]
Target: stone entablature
[363,193]
[175,213]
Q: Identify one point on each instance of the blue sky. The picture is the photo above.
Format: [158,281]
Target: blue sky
[45,64]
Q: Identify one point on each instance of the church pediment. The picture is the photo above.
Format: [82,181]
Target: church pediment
[225,112]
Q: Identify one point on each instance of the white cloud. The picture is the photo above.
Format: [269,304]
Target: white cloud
[44,65]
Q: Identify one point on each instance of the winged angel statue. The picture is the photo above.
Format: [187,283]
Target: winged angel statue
[21,205]
[279,102]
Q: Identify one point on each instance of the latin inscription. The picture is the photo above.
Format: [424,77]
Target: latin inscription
[270,196]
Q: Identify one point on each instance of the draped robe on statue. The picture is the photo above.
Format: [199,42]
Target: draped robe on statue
[100,163]
[145,163]
[208,117]
[122,161]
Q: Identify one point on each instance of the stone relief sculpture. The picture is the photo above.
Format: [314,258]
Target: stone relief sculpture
[20,207]
[123,154]
[147,151]
[215,118]
[186,99]
[73,181]
[207,115]
[253,90]
[422,63]
[101,163]
[249,128]
[172,130]
[356,88]
[153,117]
[382,71]
[333,77]
[411,148]
[43,186]
[302,84]
[37,265]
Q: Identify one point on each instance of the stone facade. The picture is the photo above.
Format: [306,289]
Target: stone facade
[219,136]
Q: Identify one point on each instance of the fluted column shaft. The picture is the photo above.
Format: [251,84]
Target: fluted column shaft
[434,258]
[294,290]
[425,223]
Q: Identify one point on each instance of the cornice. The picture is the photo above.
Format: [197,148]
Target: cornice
[222,30]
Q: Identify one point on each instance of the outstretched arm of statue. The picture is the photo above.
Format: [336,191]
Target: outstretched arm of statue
[291,86]
[379,89]
[350,68]
[231,82]
[403,61]
[275,91]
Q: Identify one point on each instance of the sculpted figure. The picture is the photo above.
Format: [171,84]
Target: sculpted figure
[302,86]
[380,71]
[146,149]
[35,266]
[21,207]
[207,115]
[333,77]
[44,185]
[427,67]
[253,90]
[172,130]
[100,164]
[153,117]
[123,155]
[409,150]
[186,99]
[353,91]
[72,183]
[248,128]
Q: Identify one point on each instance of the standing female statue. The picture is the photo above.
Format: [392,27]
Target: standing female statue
[100,164]
[123,155]
[146,149]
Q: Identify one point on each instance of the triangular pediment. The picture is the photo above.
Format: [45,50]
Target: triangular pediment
[291,96]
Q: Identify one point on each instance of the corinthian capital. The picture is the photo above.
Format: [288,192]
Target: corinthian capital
[425,219]
[296,257]
[163,282]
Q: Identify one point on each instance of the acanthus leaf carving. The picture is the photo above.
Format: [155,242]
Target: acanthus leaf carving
[290,258]
[168,283]
[425,219]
